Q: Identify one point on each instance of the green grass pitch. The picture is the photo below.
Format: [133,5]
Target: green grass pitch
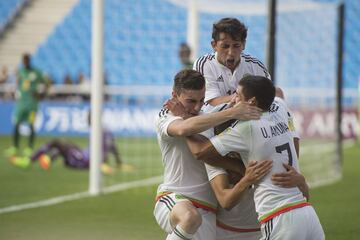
[128,214]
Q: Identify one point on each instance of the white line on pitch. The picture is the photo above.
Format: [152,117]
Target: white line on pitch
[76,196]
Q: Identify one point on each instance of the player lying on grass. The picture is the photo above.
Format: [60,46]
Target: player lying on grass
[73,155]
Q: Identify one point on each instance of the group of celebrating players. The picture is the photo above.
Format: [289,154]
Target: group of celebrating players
[231,165]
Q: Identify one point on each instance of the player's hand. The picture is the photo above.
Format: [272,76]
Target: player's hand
[290,178]
[233,100]
[244,111]
[255,171]
[176,107]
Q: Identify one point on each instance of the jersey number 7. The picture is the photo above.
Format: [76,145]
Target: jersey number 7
[285,147]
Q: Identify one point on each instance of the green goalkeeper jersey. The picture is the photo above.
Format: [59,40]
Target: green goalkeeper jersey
[29,83]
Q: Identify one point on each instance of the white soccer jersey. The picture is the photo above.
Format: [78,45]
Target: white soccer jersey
[183,174]
[270,137]
[220,81]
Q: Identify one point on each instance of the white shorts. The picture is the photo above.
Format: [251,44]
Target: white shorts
[297,224]
[162,210]
[223,234]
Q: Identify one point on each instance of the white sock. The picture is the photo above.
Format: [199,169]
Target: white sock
[179,234]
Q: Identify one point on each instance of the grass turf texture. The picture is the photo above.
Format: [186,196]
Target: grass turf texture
[128,214]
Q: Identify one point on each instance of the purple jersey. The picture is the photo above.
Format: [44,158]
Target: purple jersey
[73,155]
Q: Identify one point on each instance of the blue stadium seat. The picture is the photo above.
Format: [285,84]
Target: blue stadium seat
[8,8]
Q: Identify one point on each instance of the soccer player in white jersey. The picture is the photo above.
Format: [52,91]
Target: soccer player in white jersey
[185,203]
[223,69]
[236,216]
[284,213]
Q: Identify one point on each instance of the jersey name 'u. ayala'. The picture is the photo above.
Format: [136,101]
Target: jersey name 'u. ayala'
[274,130]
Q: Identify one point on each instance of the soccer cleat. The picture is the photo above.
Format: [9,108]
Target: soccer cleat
[11,152]
[45,161]
[21,162]
[27,152]
[106,169]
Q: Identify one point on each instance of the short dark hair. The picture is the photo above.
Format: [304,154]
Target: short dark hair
[26,55]
[259,87]
[184,45]
[188,80]
[232,26]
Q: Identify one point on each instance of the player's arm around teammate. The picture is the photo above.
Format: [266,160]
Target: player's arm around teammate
[196,124]
[227,195]
[191,124]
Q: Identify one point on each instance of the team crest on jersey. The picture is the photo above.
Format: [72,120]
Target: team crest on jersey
[274,107]
[291,125]
[220,79]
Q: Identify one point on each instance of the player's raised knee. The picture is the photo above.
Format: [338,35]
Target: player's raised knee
[191,219]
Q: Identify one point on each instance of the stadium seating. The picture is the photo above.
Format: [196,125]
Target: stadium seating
[8,9]
[142,39]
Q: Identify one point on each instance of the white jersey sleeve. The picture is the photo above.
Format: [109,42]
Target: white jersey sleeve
[163,121]
[203,66]
[255,66]
[208,133]
[234,139]
[212,171]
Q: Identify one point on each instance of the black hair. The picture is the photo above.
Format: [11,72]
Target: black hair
[232,26]
[184,45]
[259,87]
